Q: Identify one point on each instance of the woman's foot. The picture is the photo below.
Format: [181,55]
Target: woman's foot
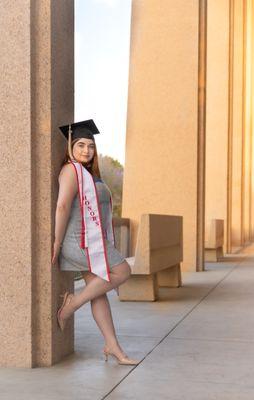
[66,310]
[116,351]
[114,348]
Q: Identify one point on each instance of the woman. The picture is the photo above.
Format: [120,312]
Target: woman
[67,250]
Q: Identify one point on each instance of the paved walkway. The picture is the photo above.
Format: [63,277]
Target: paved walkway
[196,343]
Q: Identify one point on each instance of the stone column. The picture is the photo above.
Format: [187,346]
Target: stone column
[247,121]
[236,132]
[36,86]
[217,113]
[252,123]
[165,119]
[240,188]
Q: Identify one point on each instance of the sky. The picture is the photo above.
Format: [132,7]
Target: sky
[102,43]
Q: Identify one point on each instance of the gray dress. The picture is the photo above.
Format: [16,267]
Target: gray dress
[72,257]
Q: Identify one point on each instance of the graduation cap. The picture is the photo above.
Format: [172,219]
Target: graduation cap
[82,129]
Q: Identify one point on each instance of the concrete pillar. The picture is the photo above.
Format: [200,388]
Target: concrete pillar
[217,112]
[240,133]
[252,123]
[247,120]
[229,130]
[162,147]
[236,132]
[36,86]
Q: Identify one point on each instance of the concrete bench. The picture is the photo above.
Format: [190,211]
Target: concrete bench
[158,254]
[214,240]
[122,235]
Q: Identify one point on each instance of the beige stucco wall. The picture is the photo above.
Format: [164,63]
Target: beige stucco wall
[161,142]
[36,89]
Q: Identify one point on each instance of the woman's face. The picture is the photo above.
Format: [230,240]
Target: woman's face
[83,150]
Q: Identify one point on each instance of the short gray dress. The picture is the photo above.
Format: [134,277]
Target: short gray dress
[72,257]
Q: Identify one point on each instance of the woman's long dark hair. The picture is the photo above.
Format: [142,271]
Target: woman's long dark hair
[92,166]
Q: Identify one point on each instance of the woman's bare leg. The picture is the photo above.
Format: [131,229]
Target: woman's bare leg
[102,315]
[96,287]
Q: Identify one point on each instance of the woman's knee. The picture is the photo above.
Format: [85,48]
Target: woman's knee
[128,269]
[88,276]
[123,270]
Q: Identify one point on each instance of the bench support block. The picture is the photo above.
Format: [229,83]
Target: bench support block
[139,288]
[170,277]
[213,255]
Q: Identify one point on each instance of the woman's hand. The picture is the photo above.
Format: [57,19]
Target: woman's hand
[56,251]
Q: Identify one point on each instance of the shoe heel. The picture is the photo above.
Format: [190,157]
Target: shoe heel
[106,356]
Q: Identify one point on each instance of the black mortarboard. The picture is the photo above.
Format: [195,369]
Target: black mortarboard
[82,129]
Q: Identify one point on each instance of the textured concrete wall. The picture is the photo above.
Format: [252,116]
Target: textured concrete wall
[161,143]
[36,89]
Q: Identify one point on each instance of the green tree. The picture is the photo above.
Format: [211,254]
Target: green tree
[112,173]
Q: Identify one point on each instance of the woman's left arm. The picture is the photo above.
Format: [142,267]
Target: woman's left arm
[68,188]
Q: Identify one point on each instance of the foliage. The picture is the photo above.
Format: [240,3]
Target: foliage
[112,174]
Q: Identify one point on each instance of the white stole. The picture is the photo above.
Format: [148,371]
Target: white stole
[92,238]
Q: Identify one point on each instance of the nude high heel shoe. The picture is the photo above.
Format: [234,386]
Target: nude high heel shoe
[125,360]
[66,296]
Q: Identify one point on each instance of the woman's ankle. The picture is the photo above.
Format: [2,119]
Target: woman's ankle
[111,343]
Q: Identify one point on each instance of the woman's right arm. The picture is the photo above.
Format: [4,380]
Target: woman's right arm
[68,188]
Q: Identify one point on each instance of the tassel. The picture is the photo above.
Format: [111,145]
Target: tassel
[69,143]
